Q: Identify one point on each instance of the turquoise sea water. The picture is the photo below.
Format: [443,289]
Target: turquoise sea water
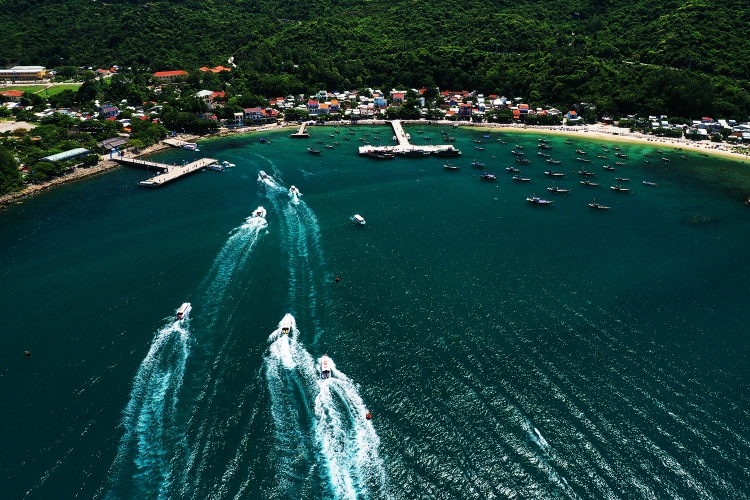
[505,350]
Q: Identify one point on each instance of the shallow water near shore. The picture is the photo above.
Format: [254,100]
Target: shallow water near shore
[504,349]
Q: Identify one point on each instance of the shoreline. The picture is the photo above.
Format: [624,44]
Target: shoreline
[591,132]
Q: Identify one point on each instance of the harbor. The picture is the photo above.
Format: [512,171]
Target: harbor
[404,147]
[167,173]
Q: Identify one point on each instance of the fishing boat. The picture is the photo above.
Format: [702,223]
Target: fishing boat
[552,173]
[183,311]
[226,164]
[581,152]
[488,177]
[516,152]
[260,212]
[358,219]
[450,151]
[545,146]
[448,166]
[545,155]
[381,155]
[325,367]
[554,162]
[568,141]
[598,206]
[522,161]
[478,164]
[191,146]
[286,324]
[602,157]
[513,169]
[329,146]
[584,160]
[586,173]
[647,183]
[479,148]
[521,179]
[589,183]
[621,163]
[477,141]
[313,150]
[665,159]
[538,201]
[556,189]
[660,151]
[622,179]
[609,167]
[619,188]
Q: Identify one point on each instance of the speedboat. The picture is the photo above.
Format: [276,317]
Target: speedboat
[313,150]
[538,201]
[477,164]
[617,187]
[286,324]
[226,164]
[650,183]
[191,146]
[216,166]
[358,219]
[260,212]
[521,179]
[183,311]
[294,191]
[622,179]
[325,367]
[589,183]
[263,176]
[488,177]
[552,173]
[556,189]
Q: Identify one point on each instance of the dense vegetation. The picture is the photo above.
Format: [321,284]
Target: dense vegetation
[677,57]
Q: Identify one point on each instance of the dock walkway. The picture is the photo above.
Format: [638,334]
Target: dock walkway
[404,146]
[300,134]
[168,173]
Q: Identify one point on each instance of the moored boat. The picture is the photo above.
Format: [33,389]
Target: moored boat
[609,167]
[622,179]
[513,169]
[358,219]
[619,188]
[581,152]
[448,166]
[538,201]
[183,311]
[650,183]
[522,161]
[226,164]
[313,150]
[554,162]
[586,173]
[191,146]
[589,183]
[598,205]
[556,189]
[488,177]
[552,173]
[478,164]
[521,179]
[215,166]
[543,154]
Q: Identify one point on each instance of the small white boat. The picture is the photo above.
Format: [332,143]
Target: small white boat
[325,367]
[216,166]
[260,212]
[293,191]
[191,146]
[538,201]
[358,219]
[183,311]
[286,324]
[263,176]
[226,164]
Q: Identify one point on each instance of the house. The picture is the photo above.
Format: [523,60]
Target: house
[398,97]
[217,69]
[110,111]
[17,73]
[572,116]
[169,76]
[335,107]
[204,95]
[313,107]
[218,96]
[102,72]
[12,95]
[523,109]
[323,108]
[464,109]
[253,114]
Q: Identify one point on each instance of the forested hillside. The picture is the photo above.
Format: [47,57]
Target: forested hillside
[681,57]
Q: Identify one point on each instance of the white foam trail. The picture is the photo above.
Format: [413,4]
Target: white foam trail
[347,441]
[150,418]
[290,375]
[152,437]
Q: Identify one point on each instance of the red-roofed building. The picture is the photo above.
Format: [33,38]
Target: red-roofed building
[169,76]
[464,109]
[218,96]
[398,97]
[13,95]
[217,69]
[313,107]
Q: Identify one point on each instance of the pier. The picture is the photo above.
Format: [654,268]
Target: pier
[167,173]
[300,134]
[175,143]
[404,146]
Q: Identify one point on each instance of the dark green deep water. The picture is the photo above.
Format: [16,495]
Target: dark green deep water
[506,350]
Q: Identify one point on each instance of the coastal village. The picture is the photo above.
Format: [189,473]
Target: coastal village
[364,105]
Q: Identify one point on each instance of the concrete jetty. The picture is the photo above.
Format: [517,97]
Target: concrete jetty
[404,146]
[167,173]
[175,143]
[300,134]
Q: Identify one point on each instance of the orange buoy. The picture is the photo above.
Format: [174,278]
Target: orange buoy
[338,279]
